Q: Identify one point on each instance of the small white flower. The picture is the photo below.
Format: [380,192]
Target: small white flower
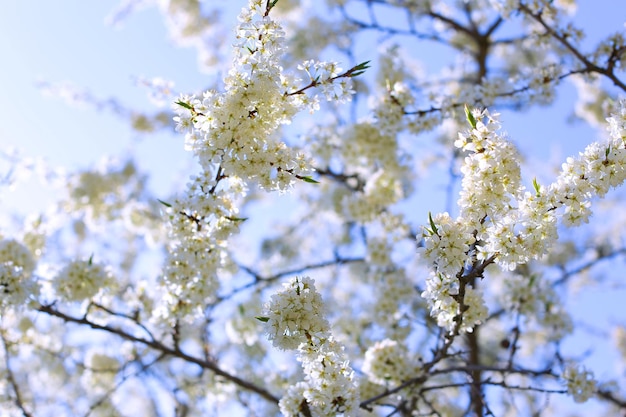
[580,383]
[80,280]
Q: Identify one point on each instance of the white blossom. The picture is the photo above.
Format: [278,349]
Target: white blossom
[296,315]
[81,280]
[499,221]
[388,363]
[580,383]
[296,319]
[17,265]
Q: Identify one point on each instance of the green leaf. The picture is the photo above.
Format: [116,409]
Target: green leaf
[433,226]
[359,69]
[262,318]
[164,203]
[308,179]
[237,219]
[470,117]
[363,65]
[91,260]
[536,185]
[185,105]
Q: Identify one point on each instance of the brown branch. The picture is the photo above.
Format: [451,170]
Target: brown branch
[351,73]
[143,368]
[258,278]
[590,264]
[154,344]
[19,402]
[476,388]
[442,352]
[589,66]
[610,397]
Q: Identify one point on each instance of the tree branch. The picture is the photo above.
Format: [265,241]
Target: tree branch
[204,364]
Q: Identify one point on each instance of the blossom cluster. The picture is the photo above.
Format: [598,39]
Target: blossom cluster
[238,128]
[491,172]
[296,319]
[537,301]
[188,24]
[393,290]
[296,315]
[580,383]
[200,223]
[101,370]
[16,273]
[500,221]
[324,74]
[443,297]
[109,192]
[81,279]
[374,156]
[388,363]
[329,387]
[446,244]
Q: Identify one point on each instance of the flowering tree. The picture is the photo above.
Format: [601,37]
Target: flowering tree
[350,304]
